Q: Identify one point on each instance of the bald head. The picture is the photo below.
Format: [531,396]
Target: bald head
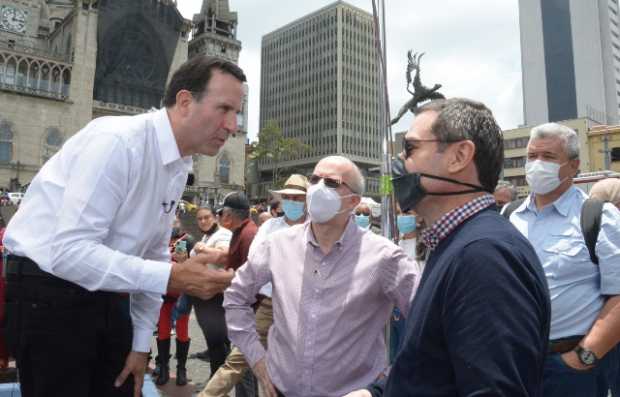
[263,217]
[342,168]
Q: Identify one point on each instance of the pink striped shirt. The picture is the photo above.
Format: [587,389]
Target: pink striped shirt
[329,310]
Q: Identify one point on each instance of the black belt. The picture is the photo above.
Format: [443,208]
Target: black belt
[564,345]
[22,266]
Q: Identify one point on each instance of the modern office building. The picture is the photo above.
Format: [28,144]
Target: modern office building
[320,83]
[570,55]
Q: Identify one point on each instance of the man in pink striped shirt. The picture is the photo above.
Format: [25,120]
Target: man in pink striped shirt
[334,285]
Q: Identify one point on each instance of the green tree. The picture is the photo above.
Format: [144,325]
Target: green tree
[274,147]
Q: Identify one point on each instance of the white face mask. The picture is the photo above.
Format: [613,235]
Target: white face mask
[543,176]
[324,203]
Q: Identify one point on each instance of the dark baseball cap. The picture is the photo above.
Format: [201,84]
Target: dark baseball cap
[237,201]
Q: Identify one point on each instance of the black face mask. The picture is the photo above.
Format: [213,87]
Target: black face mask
[408,187]
[176,232]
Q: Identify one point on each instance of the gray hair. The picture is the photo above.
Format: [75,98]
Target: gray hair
[460,119]
[555,130]
[507,185]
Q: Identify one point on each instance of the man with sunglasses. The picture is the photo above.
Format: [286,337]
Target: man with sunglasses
[479,325]
[334,285]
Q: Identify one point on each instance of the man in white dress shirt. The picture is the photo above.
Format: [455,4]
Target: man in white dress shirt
[88,249]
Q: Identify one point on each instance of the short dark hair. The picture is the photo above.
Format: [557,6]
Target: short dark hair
[240,214]
[275,203]
[461,119]
[194,76]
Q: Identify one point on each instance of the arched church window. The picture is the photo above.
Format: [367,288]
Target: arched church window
[224,169]
[52,143]
[6,141]
[2,67]
[11,69]
[33,79]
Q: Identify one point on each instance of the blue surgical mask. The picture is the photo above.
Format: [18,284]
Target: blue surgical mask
[293,210]
[406,223]
[362,221]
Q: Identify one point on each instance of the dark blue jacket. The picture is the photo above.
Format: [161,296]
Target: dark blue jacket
[479,324]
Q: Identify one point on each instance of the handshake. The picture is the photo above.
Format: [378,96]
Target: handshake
[193,277]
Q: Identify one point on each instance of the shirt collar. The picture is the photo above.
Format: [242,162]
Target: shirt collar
[168,147]
[451,220]
[562,205]
[347,235]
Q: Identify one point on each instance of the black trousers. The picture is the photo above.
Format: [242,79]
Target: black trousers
[212,320]
[67,341]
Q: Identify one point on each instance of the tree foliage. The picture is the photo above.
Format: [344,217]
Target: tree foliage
[274,147]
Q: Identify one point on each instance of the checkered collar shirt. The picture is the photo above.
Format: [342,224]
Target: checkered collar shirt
[451,220]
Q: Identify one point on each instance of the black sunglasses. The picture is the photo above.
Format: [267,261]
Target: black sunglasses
[409,143]
[331,183]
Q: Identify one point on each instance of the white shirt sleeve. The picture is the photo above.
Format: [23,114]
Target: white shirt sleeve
[95,189]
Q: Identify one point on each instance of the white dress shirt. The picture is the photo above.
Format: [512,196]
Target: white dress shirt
[220,240]
[95,215]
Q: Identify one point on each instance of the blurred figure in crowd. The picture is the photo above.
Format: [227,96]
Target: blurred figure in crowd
[263,217]
[181,243]
[607,190]
[362,216]
[505,192]
[209,312]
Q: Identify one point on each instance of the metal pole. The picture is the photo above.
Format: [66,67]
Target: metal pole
[388,224]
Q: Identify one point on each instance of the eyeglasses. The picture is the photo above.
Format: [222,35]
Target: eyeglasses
[331,183]
[362,213]
[409,143]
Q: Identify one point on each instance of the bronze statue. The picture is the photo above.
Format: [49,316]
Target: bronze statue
[420,92]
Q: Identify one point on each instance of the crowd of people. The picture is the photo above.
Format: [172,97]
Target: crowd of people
[484,294]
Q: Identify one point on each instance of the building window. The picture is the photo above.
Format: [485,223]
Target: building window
[615,154]
[515,162]
[6,142]
[223,167]
[53,142]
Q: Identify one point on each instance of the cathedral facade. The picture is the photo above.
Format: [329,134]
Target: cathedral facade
[65,62]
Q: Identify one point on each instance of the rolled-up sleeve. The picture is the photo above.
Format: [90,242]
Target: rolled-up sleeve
[400,278]
[608,250]
[238,301]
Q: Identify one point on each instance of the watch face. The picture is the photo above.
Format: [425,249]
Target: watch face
[13,19]
[587,357]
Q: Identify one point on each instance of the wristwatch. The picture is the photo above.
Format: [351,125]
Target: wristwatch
[587,357]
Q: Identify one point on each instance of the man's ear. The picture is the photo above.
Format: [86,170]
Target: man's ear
[184,101]
[574,164]
[462,155]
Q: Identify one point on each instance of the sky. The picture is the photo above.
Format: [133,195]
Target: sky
[472,48]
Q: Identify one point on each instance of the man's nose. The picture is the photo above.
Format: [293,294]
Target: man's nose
[230,124]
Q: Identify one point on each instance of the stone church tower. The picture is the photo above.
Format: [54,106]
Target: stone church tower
[215,34]
[65,62]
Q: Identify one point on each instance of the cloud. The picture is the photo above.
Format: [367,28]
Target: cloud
[472,48]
